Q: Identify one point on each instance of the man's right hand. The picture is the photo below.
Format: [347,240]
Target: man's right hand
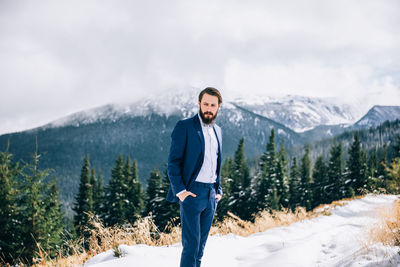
[184,195]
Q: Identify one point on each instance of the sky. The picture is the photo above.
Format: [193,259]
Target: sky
[60,57]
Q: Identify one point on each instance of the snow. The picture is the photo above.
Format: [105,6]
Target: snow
[335,240]
[299,113]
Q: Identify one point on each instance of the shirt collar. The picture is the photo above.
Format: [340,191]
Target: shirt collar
[204,124]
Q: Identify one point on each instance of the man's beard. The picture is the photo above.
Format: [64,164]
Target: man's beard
[208,120]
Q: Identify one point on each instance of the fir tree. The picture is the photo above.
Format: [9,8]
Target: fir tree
[267,177]
[154,199]
[282,183]
[8,208]
[364,173]
[54,224]
[128,177]
[226,184]
[84,200]
[241,184]
[381,168]
[396,147]
[375,183]
[34,228]
[336,186]
[135,195]
[305,180]
[294,185]
[354,178]
[167,210]
[93,187]
[115,198]
[274,200]
[320,178]
[98,194]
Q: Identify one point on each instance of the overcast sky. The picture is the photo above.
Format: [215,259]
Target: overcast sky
[59,57]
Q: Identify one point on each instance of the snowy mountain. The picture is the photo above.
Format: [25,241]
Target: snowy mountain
[298,113]
[302,113]
[340,239]
[378,114]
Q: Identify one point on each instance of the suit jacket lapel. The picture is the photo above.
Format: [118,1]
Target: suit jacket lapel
[199,131]
[218,140]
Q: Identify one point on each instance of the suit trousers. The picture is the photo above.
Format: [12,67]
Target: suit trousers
[197,214]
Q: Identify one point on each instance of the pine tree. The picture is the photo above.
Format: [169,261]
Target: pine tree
[135,195]
[154,199]
[84,200]
[375,183]
[54,225]
[267,177]
[167,210]
[282,183]
[294,185]
[226,184]
[115,198]
[381,169]
[8,208]
[98,194]
[354,178]
[240,193]
[128,176]
[396,147]
[34,225]
[93,187]
[320,178]
[364,173]
[305,180]
[336,186]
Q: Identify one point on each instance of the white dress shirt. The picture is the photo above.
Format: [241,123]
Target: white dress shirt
[208,171]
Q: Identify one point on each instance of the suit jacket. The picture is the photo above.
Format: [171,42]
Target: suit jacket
[186,156]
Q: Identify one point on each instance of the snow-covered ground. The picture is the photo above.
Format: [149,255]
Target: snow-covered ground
[335,240]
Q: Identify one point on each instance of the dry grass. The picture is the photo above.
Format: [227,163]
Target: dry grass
[387,231]
[144,231]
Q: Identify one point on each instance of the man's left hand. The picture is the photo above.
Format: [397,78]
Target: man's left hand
[218,197]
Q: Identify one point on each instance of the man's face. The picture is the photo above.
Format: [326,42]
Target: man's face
[209,108]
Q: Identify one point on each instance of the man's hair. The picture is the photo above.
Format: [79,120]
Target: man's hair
[211,91]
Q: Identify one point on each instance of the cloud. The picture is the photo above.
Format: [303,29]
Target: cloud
[60,57]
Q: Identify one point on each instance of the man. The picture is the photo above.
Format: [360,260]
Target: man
[194,167]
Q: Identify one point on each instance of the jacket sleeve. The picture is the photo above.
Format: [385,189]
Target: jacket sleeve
[176,157]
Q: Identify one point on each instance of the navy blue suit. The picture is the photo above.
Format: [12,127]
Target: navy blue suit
[184,163]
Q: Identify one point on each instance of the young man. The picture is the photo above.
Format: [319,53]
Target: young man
[194,167]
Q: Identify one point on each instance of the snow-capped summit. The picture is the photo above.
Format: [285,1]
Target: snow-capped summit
[302,113]
[298,113]
[378,114]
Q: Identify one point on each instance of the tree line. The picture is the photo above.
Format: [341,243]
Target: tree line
[278,182]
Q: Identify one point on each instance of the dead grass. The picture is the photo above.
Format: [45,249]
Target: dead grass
[144,231]
[387,231]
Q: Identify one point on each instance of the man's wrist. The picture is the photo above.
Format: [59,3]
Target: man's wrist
[184,190]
